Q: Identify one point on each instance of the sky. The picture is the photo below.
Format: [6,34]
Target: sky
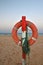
[11,11]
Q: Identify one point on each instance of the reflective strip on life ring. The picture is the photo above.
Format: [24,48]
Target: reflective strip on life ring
[34,32]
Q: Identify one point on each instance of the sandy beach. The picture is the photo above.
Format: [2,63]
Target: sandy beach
[11,54]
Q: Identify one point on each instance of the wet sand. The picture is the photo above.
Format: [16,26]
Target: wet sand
[11,54]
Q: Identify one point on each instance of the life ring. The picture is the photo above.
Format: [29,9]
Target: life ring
[34,36]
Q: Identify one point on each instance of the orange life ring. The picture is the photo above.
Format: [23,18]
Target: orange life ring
[34,36]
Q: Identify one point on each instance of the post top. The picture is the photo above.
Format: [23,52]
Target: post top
[23,17]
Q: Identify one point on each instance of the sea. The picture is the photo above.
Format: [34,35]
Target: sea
[40,34]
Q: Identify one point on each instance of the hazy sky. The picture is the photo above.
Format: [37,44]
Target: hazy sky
[11,12]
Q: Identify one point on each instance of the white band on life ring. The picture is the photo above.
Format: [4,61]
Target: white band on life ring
[33,38]
[19,43]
